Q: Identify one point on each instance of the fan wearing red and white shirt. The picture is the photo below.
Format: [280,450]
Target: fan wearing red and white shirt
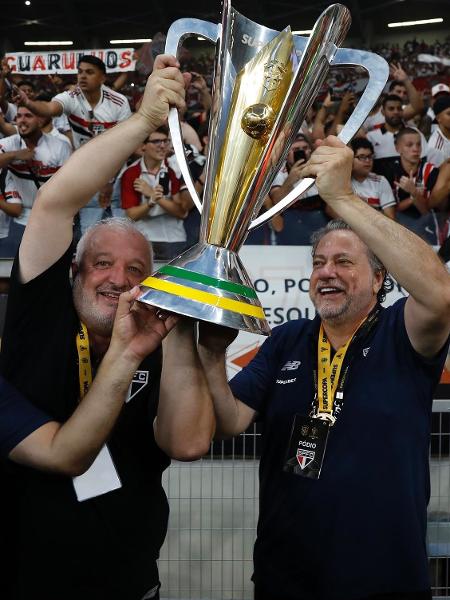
[372,188]
[31,157]
[91,108]
[152,195]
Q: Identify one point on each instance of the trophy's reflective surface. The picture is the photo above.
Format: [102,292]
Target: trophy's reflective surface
[264,83]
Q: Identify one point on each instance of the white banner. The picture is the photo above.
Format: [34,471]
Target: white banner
[280,275]
[62,62]
[431,58]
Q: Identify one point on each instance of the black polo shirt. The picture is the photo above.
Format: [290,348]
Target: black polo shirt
[360,529]
[105,547]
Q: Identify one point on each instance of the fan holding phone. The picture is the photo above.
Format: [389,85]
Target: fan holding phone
[308,213]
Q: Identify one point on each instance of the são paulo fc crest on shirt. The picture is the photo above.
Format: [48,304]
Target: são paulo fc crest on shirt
[140,380]
[304,457]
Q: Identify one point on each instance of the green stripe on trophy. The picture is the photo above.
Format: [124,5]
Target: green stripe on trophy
[221,284]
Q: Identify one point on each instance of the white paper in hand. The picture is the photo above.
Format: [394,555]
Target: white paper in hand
[100,478]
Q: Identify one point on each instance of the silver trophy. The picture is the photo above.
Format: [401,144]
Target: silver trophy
[264,83]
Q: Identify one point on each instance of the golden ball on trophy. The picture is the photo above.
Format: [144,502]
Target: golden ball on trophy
[257,120]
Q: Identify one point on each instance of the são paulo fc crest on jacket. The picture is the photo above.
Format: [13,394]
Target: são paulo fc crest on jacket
[140,380]
[304,457]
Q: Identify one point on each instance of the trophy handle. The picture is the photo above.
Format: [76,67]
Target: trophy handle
[178,31]
[378,70]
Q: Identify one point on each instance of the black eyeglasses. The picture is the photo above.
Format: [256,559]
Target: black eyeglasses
[158,142]
[364,157]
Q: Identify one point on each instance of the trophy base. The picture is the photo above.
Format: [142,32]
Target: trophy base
[208,283]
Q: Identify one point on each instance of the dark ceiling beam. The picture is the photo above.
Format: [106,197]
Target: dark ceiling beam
[357,20]
[135,19]
[210,13]
[286,15]
[72,16]
[293,5]
[158,8]
[379,7]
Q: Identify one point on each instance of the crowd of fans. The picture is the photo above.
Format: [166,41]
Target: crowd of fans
[401,154]
[410,52]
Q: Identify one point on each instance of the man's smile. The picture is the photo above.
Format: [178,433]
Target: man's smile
[110,295]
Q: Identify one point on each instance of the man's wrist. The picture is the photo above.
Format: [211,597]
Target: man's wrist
[145,124]
[121,360]
[182,336]
[210,356]
[149,122]
[342,198]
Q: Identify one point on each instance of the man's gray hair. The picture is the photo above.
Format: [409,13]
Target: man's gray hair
[375,263]
[123,224]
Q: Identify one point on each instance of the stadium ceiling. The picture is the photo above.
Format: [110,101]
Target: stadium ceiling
[92,23]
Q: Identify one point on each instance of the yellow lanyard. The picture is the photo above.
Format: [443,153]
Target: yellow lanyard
[84,360]
[328,373]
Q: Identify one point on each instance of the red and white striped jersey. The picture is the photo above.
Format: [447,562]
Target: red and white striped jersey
[375,190]
[87,122]
[438,141]
[20,187]
[372,121]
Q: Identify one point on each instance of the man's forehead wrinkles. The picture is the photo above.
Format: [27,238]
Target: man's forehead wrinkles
[101,253]
[333,254]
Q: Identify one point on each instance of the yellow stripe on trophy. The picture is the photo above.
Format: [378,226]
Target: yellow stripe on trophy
[207,298]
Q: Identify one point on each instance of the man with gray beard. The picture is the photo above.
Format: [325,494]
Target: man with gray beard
[96,536]
[345,405]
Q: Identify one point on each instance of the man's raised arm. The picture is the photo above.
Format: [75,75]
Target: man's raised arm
[408,258]
[193,382]
[185,422]
[4,86]
[38,107]
[91,167]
